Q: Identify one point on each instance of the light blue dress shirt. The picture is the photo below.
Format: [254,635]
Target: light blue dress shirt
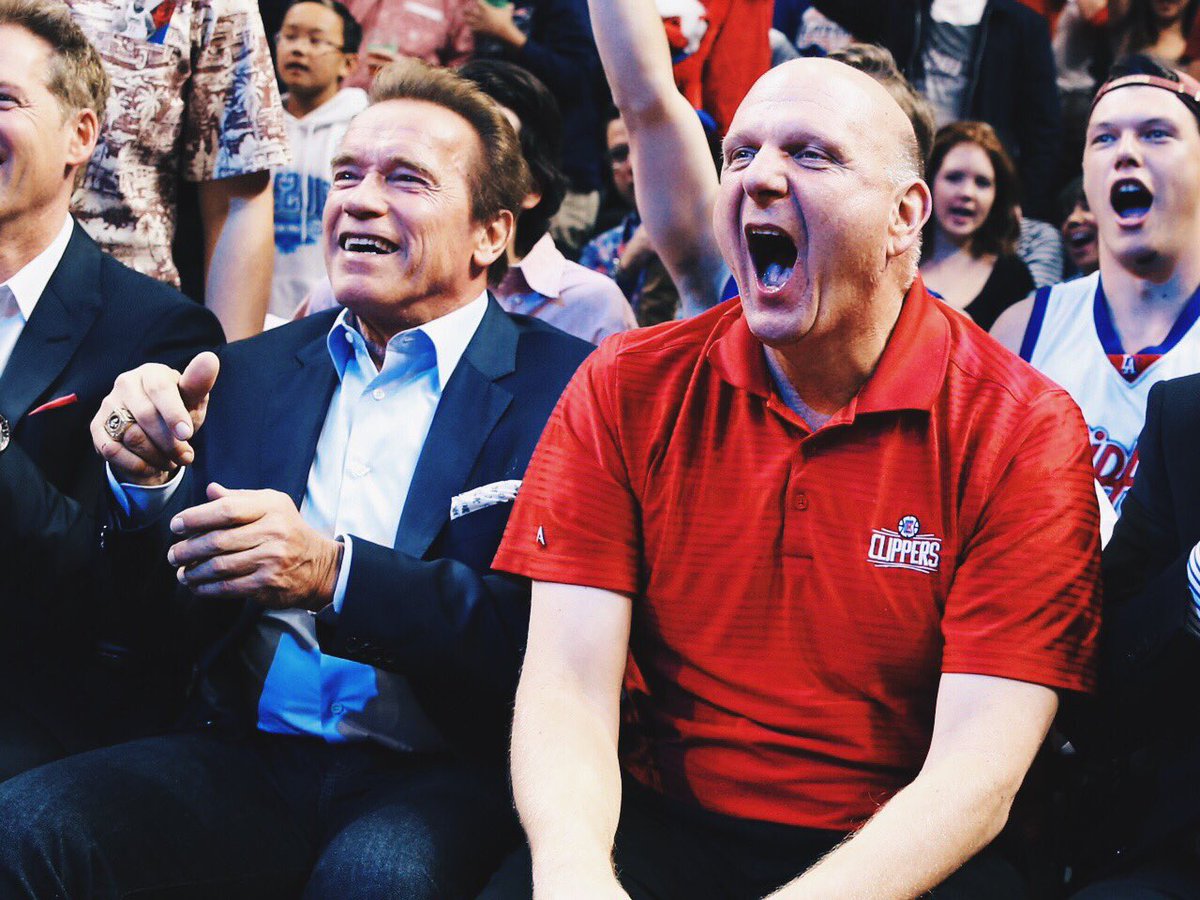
[374,430]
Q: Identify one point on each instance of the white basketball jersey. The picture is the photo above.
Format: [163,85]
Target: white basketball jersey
[1071,339]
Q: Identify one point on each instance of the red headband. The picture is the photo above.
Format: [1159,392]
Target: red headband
[1187,87]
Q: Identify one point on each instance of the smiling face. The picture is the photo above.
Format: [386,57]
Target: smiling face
[964,191]
[311,62]
[1080,238]
[808,215]
[1141,175]
[401,244]
[40,145]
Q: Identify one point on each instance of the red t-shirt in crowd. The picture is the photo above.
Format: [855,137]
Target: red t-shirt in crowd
[797,594]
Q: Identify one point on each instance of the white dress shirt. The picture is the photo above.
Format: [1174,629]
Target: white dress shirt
[20,294]
[375,428]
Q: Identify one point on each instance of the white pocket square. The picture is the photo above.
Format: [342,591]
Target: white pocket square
[484,496]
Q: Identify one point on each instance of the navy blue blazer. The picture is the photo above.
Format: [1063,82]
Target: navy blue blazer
[429,608]
[95,320]
[1145,724]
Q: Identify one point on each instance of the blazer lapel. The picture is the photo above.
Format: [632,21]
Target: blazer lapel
[60,321]
[471,405]
[294,419]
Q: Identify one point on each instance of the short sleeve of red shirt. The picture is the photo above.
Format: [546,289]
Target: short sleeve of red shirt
[1024,603]
[576,520]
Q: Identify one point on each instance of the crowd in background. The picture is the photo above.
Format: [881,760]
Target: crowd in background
[1026,70]
[218,150]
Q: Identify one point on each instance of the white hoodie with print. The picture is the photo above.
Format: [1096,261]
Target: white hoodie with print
[300,191]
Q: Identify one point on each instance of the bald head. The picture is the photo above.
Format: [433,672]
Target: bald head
[869,108]
[821,202]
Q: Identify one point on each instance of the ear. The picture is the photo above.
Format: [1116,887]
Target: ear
[84,132]
[532,199]
[349,61]
[492,238]
[909,215]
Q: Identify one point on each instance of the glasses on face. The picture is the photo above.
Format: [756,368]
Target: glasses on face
[618,154]
[314,43]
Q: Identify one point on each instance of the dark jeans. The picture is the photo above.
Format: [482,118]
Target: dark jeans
[666,850]
[24,742]
[202,815]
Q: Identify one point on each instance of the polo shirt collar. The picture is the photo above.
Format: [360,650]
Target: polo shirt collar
[909,374]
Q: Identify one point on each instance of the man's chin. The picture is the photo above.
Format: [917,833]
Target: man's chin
[779,328]
[1140,256]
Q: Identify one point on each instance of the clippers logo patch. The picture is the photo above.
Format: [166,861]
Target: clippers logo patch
[905,548]
[1132,365]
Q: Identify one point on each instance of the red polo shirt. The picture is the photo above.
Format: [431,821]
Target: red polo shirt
[797,594]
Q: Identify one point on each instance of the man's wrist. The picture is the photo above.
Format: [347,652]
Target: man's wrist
[151,480]
[330,567]
[565,871]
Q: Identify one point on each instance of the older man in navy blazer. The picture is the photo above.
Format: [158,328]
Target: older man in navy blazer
[71,319]
[330,494]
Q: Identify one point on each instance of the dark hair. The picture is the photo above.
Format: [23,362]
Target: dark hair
[1139,28]
[501,180]
[76,77]
[1141,64]
[351,30]
[999,231]
[541,135]
[879,63]
[1068,198]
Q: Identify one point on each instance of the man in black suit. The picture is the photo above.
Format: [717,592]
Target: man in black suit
[331,494]
[71,319]
[1141,812]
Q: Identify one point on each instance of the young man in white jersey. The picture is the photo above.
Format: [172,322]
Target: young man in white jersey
[1109,337]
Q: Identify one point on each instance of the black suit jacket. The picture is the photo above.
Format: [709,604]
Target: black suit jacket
[429,608]
[95,320]
[1146,720]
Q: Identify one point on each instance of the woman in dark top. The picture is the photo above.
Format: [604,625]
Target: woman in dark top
[969,255]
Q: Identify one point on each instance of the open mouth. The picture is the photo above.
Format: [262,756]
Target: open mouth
[965,212]
[1130,199]
[773,253]
[1080,237]
[359,243]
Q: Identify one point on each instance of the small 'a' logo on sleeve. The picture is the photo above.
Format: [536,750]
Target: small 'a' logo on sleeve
[541,536]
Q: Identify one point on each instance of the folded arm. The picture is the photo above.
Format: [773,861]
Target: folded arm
[454,631]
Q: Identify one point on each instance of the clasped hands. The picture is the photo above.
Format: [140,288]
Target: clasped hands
[241,544]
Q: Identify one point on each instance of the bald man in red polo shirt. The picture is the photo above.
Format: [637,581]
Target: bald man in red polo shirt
[836,544]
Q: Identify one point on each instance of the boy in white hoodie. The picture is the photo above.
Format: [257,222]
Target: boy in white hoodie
[316,48]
